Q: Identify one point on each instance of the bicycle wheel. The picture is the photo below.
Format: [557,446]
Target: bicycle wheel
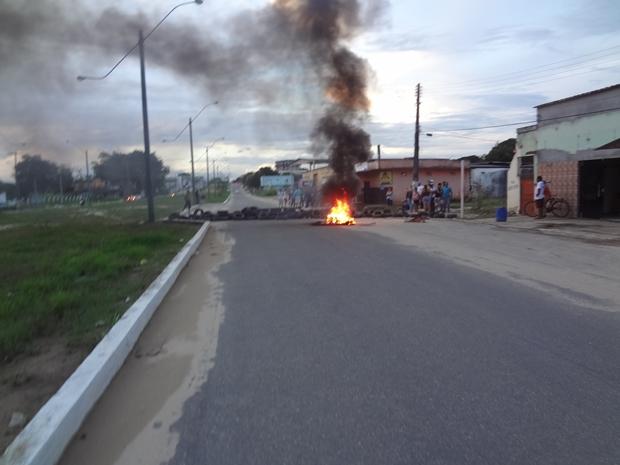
[530,209]
[560,208]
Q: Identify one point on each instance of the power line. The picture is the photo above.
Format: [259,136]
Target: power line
[541,67]
[529,81]
[460,136]
[525,122]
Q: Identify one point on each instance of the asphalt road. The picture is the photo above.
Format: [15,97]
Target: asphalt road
[286,343]
[340,347]
[240,199]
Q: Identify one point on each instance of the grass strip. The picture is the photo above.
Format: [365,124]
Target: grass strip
[73,274]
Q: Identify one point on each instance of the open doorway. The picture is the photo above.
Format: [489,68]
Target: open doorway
[526,181]
[599,188]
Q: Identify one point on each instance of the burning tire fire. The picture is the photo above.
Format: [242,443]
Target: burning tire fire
[340,214]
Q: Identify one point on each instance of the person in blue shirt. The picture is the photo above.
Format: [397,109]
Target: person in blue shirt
[446,194]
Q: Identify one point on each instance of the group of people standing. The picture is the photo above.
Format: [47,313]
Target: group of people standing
[430,198]
[295,198]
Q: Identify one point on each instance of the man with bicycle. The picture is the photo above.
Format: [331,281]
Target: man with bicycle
[539,197]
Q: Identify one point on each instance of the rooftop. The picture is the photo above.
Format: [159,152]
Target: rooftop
[578,96]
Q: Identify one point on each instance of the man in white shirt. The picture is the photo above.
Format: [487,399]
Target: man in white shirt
[539,196]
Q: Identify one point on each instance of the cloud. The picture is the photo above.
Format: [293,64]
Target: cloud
[511,35]
[495,101]
[592,18]
[398,42]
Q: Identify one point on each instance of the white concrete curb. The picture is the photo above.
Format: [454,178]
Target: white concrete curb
[44,439]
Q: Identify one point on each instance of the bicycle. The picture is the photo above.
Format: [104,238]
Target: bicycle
[553,205]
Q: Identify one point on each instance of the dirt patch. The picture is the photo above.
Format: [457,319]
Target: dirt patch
[28,381]
[132,421]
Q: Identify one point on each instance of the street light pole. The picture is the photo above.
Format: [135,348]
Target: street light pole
[416,149]
[145,120]
[208,186]
[147,142]
[191,143]
[191,152]
[207,156]
[214,176]
[16,183]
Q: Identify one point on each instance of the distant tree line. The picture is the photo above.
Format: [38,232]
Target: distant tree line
[501,152]
[251,180]
[113,174]
[125,171]
[38,176]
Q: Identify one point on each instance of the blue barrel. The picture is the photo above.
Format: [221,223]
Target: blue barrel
[501,214]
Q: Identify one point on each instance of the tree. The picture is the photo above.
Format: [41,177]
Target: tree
[9,188]
[36,175]
[472,158]
[126,171]
[503,152]
[251,180]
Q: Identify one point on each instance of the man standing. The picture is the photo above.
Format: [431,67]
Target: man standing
[447,196]
[409,200]
[539,197]
[188,202]
[388,197]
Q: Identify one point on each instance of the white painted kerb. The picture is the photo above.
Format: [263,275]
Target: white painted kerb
[44,439]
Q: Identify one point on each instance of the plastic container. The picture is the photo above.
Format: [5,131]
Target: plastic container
[501,214]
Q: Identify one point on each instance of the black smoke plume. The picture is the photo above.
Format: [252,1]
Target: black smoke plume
[290,52]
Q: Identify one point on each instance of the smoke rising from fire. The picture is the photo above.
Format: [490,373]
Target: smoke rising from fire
[290,52]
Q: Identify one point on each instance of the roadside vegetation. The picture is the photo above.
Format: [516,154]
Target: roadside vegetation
[271,192]
[216,197]
[479,207]
[71,272]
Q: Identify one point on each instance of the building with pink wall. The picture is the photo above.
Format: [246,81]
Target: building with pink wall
[397,173]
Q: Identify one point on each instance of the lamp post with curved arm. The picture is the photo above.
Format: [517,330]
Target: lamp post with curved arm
[207,154]
[145,119]
[191,141]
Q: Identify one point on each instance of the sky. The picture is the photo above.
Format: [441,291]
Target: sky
[480,63]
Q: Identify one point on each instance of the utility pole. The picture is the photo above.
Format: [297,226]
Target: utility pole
[16,183]
[416,149]
[462,188]
[213,171]
[191,151]
[147,142]
[379,156]
[87,174]
[208,184]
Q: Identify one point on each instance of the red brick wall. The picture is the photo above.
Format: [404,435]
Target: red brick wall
[564,177]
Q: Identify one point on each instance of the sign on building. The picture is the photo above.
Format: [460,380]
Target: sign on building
[277,181]
[386,178]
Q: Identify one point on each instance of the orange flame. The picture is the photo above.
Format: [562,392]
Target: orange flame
[340,214]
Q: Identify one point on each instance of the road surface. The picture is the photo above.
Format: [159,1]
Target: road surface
[284,343]
[240,199]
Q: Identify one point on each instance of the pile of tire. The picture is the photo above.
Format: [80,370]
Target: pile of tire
[255,213]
